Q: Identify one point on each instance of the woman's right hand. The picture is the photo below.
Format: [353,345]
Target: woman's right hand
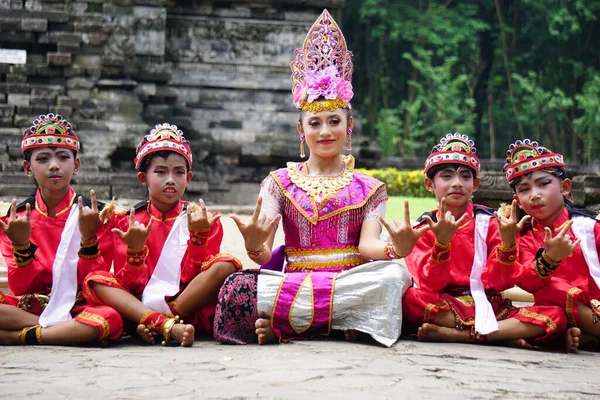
[257,231]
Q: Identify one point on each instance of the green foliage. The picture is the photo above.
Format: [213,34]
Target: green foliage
[588,125]
[441,106]
[495,70]
[400,183]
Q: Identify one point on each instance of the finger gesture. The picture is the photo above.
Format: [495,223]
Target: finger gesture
[509,227]
[18,229]
[199,219]
[136,234]
[89,217]
[446,225]
[403,235]
[258,230]
[560,246]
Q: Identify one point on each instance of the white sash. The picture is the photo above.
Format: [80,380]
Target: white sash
[485,318]
[64,273]
[167,274]
[583,228]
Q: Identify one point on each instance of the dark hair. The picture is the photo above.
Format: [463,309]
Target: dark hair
[27,153]
[145,164]
[434,170]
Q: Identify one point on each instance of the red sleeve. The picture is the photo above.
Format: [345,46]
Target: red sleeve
[429,268]
[530,280]
[34,277]
[102,261]
[201,250]
[503,269]
[131,269]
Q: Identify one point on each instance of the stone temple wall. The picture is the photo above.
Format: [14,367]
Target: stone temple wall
[218,70]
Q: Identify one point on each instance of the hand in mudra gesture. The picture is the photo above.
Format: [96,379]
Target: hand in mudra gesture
[560,246]
[137,233]
[18,229]
[199,219]
[257,231]
[509,227]
[403,235]
[89,218]
[446,225]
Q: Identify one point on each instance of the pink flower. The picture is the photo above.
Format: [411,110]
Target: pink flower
[322,83]
[300,93]
[344,91]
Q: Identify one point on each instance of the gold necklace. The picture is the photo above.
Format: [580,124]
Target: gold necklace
[320,187]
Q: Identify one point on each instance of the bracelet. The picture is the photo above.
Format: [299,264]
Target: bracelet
[89,242]
[199,237]
[440,252]
[390,252]
[550,262]
[506,255]
[136,257]
[23,254]
[255,254]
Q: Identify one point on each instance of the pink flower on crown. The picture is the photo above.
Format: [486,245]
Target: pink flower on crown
[300,93]
[344,91]
[322,83]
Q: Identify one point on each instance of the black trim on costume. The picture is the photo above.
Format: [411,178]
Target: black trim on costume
[578,211]
[87,201]
[21,206]
[431,215]
[30,336]
[479,209]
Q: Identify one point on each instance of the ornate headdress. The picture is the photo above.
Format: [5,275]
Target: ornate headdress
[50,130]
[526,155]
[322,68]
[453,149]
[163,137]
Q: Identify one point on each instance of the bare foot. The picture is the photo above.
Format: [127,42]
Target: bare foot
[264,331]
[434,333]
[9,338]
[184,334]
[572,340]
[352,335]
[145,334]
[519,343]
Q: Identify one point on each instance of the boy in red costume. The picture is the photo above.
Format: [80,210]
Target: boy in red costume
[50,242]
[560,246]
[466,259]
[176,271]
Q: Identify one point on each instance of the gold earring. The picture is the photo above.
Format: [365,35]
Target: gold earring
[349,140]
[302,154]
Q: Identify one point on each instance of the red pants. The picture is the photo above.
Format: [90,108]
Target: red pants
[561,293]
[202,318]
[108,322]
[421,306]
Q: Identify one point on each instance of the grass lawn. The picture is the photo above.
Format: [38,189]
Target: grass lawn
[417,205]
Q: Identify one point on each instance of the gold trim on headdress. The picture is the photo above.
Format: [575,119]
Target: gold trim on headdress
[453,149]
[322,68]
[526,155]
[50,130]
[163,137]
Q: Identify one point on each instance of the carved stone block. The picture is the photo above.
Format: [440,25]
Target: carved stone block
[34,25]
[59,58]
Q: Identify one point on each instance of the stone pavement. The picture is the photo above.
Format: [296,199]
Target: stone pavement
[299,370]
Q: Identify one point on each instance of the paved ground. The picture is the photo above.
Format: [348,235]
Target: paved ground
[317,369]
